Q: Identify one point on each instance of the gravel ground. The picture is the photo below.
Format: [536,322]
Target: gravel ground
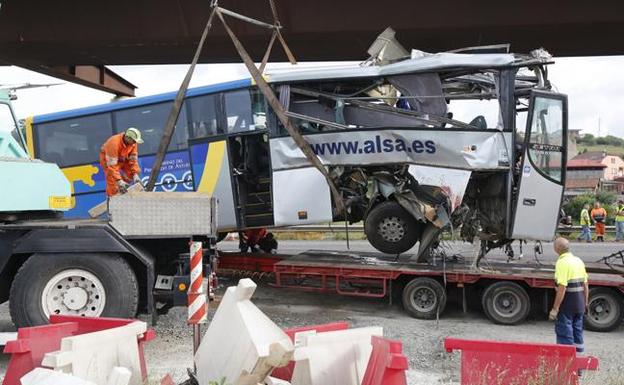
[422,340]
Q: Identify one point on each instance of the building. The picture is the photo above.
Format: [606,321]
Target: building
[583,176]
[614,165]
[573,136]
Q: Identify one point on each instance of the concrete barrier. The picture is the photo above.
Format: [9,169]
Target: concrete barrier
[242,345]
[333,358]
[42,376]
[93,356]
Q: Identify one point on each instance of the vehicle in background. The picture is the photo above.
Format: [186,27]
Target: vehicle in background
[472,139]
[30,188]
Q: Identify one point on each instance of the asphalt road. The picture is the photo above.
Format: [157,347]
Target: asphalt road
[589,252]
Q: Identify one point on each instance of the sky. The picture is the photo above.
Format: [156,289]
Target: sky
[594,85]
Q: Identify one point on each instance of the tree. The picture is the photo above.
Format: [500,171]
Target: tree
[587,139]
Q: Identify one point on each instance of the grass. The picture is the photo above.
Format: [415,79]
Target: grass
[610,150]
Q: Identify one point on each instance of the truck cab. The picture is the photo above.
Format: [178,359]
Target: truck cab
[31,187]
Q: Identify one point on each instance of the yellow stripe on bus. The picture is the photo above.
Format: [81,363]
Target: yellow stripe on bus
[212,167]
[30,144]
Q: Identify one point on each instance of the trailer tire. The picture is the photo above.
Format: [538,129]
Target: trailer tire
[78,284]
[506,303]
[604,311]
[391,229]
[424,298]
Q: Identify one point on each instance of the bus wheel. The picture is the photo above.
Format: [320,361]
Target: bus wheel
[89,285]
[391,229]
[506,303]
[604,312]
[424,298]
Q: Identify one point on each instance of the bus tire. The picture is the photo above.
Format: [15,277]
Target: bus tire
[93,285]
[391,229]
[604,311]
[424,298]
[506,303]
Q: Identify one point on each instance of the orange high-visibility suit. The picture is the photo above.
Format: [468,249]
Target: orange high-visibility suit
[116,157]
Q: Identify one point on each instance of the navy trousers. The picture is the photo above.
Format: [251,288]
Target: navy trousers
[569,330]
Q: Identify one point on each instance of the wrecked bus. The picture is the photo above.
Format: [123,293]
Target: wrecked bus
[473,140]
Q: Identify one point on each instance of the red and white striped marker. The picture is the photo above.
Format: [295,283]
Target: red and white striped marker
[197,313]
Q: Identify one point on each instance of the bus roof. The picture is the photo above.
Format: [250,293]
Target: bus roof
[140,101]
[418,62]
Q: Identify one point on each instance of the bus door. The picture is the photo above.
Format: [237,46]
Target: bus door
[543,164]
[251,175]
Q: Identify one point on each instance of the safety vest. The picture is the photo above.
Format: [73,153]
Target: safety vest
[618,217]
[570,272]
[585,220]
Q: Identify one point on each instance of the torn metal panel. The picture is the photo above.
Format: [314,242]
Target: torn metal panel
[426,63]
[422,84]
[452,182]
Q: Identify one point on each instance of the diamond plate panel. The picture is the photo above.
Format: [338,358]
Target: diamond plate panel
[165,215]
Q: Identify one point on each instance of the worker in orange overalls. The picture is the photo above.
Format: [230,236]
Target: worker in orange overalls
[599,217]
[120,162]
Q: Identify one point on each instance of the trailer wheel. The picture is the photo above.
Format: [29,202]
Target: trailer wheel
[506,303]
[88,285]
[424,298]
[391,229]
[604,312]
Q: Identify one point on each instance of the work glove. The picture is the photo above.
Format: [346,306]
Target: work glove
[122,186]
[137,179]
[553,315]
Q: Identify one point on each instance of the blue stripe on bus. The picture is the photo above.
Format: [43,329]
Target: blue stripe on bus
[141,101]
[175,175]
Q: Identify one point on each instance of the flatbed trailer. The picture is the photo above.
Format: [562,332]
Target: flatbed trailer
[506,292]
[117,267]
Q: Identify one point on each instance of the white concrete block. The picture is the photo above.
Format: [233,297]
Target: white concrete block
[275,381]
[334,358]
[119,376]
[6,337]
[93,356]
[241,344]
[42,376]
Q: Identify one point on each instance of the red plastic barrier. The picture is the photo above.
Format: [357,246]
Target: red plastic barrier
[286,372]
[32,343]
[387,364]
[492,362]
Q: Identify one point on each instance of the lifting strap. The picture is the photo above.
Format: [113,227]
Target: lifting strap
[175,109]
[263,86]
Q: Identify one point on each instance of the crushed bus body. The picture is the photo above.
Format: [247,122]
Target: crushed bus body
[416,143]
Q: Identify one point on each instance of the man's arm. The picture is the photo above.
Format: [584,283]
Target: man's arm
[133,162]
[560,290]
[112,160]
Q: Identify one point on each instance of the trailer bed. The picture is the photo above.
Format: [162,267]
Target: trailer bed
[507,292]
[382,266]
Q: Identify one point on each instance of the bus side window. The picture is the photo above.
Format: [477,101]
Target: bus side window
[150,120]
[245,110]
[72,142]
[203,117]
